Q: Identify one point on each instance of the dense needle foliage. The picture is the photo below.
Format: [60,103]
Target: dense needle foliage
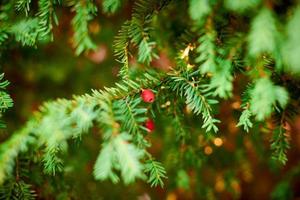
[225,77]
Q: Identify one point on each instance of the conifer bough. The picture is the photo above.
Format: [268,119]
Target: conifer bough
[216,43]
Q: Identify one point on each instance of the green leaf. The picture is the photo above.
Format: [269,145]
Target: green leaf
[183,179]
[5,99]
[198,9]
[145,53]
[52,163]
[221,81]
[196,99]
[47,18]
[280,145]
[282,96]
[17,190]
[207,53]
[103,168]
[132,118]
[128,156]
[245,120]
[23,5]
[3,35]
[121,48]
[264,96]
[119,154]
[111,6]
[26,31]
[291,48]
[19,141]
[156,173]
[240,5]
[85,12]
[263,36]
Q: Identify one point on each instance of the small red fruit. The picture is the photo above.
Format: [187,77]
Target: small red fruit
[147,96]
[150,125]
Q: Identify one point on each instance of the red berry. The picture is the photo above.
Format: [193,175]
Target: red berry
[150,125]
[147,96]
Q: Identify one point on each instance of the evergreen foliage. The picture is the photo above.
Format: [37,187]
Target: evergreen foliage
[121,155]
[205,75]
[207,53]
[137,32]
[245,120]
[84,13]
[111,6]
[291,46]
[196,100]
[241,6]
[5,100]
[26,31]
[23,5]
[157,172]
[263,36]
[17,191]
[199,9]
[264,96]
[47,18]
[280,145]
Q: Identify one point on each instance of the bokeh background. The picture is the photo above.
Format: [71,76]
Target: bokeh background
[240,167]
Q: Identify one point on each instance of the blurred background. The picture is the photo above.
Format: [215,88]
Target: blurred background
[236,165]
